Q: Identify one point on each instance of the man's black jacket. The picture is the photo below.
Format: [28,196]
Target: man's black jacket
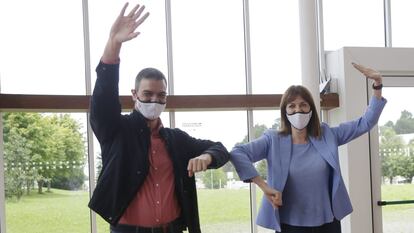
[125,140]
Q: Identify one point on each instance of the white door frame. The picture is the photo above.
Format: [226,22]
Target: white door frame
[361,167]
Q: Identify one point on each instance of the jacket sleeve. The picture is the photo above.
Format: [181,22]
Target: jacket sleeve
[196,147]
[105,108]
[245,155]
[350,130]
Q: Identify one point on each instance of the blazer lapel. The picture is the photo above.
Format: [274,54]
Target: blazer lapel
[285,157]
[323,150]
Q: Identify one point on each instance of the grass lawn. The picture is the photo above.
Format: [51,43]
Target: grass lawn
[220,211]
[398,218]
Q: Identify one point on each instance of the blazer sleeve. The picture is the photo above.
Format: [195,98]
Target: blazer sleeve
[244,156]
[350,130]
[196,147]
[105,108]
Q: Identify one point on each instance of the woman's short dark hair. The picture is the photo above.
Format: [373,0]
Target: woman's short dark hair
[314,127]
[149,73]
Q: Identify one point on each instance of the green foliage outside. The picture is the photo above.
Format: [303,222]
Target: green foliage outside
[214,178]
[32,141]
[397,157]
[43,151]
[221,210]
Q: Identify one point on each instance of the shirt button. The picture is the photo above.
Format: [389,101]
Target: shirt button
[158,202]
[153,151]
[156,185]
[156,168]
[157,220]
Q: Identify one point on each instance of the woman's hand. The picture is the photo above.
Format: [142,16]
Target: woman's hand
[369,73]
[374,75]
[274,196]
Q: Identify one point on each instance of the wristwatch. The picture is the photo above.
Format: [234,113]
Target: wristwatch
[379,87]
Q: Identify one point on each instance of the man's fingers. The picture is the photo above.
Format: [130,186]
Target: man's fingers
[142,19]
[132,12]
[138,13]
[123,9]
[196,165]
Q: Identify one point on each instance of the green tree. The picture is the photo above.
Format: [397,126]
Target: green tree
[70,150]
[408,166]
[16,155]
[54,145]
[258,130]
[391,146]
[276,125]
[405,124]
[30,127]
[214,178]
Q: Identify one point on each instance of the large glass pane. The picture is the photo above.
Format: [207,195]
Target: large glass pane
[147,50]
[262,121]
[208,47]
[223,199]
[275,45]
[397,159]
[46,172]
[401,16]
[41,47]
[353,23]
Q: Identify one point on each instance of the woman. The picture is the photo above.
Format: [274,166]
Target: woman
[303,163]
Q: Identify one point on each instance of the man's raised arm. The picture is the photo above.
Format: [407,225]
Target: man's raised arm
[123,29]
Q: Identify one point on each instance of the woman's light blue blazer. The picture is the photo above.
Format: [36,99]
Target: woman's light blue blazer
[277,150]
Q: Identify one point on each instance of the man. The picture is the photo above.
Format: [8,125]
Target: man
[147,180]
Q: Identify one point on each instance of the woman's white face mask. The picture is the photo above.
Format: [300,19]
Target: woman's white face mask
[150,110]
[299,120]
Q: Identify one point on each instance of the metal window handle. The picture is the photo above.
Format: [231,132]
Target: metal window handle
[384,203]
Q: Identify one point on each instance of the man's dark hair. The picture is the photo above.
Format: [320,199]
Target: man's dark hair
[149,73]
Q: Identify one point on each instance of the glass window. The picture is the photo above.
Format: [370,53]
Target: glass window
[401,14]
[396,132]
[41,47]
[275,45]
[222,198]
[353,23]
[208,47]
[147,50]
[46,172]
[262,121]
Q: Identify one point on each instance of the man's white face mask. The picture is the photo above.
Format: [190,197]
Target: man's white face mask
[299,120]
[150,110]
